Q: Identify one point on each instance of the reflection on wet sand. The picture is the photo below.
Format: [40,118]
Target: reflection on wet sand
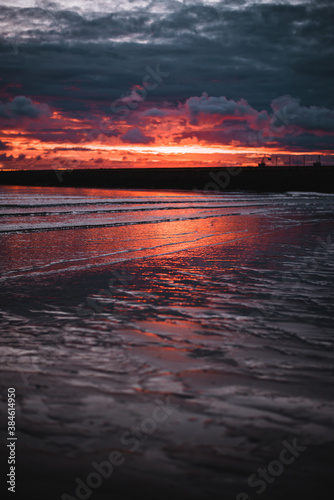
[225,314]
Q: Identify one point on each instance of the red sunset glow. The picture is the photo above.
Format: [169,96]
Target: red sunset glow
[192,134]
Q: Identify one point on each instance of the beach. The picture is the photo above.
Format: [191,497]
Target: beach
[168,343]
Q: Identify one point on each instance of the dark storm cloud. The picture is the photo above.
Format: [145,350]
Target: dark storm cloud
[217,120]
[21,107]
[4,157]
[80,62]
[72,149]
[229,60]
[61,136]
[313,118]
[136,136]
[306,142]
[223,107]
[155,113]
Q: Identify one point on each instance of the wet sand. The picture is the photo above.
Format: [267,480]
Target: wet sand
[195,343]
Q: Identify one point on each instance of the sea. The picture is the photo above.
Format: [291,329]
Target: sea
[168,344]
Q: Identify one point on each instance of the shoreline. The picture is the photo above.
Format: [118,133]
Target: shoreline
[277,179]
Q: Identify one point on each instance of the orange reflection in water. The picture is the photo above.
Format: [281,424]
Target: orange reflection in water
[189,267]
[137,233]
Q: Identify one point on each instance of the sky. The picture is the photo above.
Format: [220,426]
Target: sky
[164,83]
